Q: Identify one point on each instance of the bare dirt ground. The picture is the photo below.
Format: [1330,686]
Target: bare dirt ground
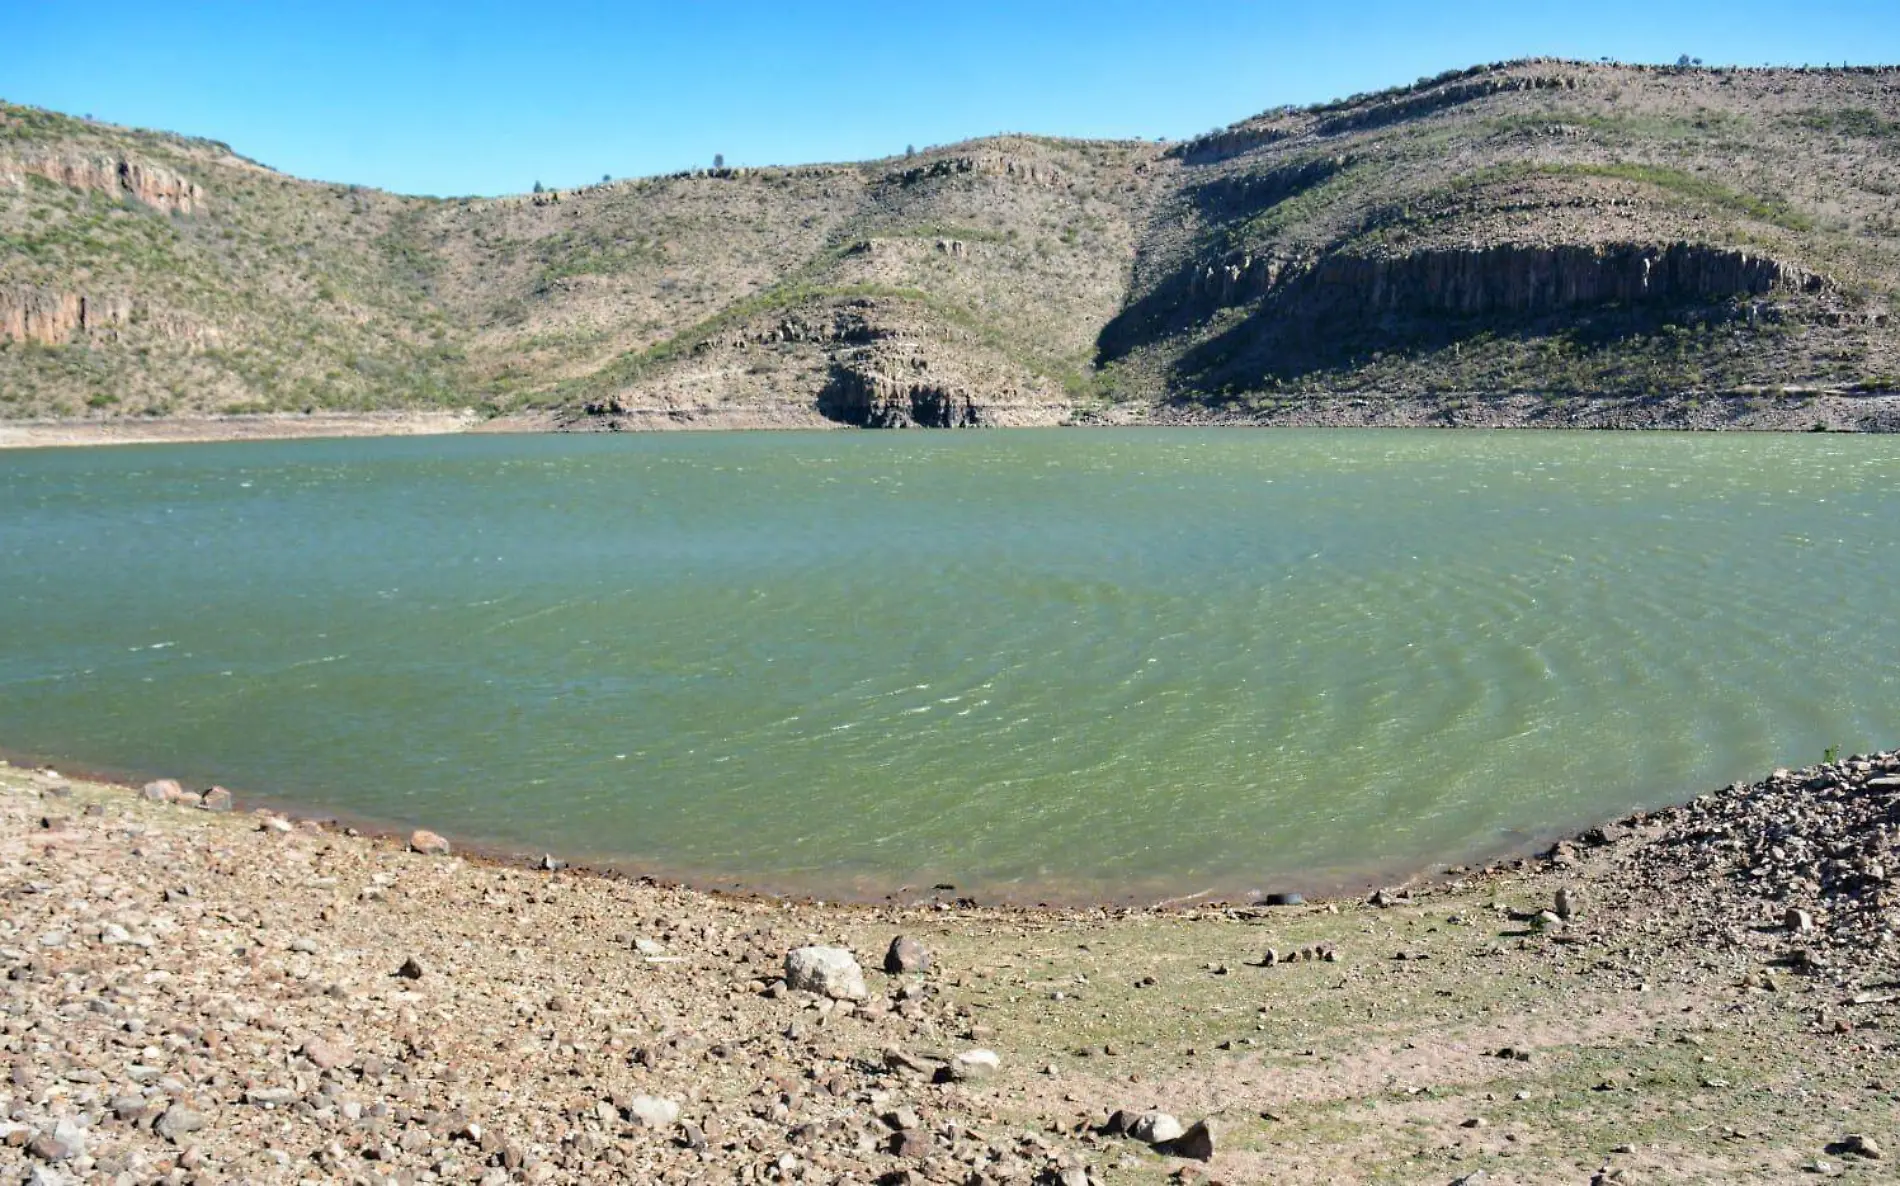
[207,996]
[36,434]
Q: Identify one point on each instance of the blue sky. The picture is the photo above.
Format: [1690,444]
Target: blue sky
[481,98]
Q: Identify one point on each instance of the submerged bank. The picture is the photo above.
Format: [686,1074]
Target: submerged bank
[1725,412]
[197,995]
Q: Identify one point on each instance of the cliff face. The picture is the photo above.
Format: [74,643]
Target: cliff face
[108,173]
[53,318]
[1506,279]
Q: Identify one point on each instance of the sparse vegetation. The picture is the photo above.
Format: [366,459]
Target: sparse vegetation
[1062,271]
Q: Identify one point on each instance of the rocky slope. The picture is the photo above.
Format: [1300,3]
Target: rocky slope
[197,992]
[1546,229]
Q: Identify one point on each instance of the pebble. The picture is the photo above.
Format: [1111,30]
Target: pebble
[973,1065]
[178,1121]
[216,799]
[648,1111]
[906,955]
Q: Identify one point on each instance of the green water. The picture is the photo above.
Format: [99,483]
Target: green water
[1033,664]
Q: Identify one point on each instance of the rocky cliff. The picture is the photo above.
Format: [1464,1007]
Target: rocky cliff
[107,173]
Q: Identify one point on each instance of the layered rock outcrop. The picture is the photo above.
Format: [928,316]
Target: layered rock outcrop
[1509,279]
[52,318]
[866,397]
[121,175]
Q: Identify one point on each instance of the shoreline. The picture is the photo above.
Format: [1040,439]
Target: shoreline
[268,1000]
[864,891]
[1790,412]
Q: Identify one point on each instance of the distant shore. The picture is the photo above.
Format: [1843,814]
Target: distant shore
[1728,412]
[35,434]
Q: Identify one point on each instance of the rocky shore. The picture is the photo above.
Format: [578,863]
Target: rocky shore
[1828,412]
[200,992]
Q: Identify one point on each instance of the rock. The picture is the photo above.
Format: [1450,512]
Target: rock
[65,1142]
[215,799]
[411,969]
[1154,1128]
[1567,903]
[973,1065]
[1859,1145]
[828,971]
[178,1121]
[1284,898]
[1798,920]
[1196,1143]
[649,947]
[909,1143]
[270,1097]
[1474,1178]
[649,1111]
[164,790]
[327,1055]
[428,843]
[903,1119]
[906,955]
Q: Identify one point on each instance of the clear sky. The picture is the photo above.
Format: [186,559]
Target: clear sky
[477,97]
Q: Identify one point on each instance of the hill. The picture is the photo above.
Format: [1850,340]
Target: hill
[1558,232]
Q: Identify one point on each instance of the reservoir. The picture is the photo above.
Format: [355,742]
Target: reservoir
[1035,665]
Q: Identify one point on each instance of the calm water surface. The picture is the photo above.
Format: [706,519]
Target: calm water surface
[1063,663]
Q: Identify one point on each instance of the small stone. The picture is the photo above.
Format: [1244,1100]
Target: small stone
[215,799]
[906,955]
[909,1143]
[1798,920]
[178,1121]
[65,1142]
[1155,1127]
[649,947]
[1567,903]
[903,1119]
[1284,898]
[649,1111]
[828,971]
[1860,1145]
[273,1097]
[411,969]
[1270,958]
[163,790]
[973,1065]
[428,843]
[1196,1143]
[327,1055]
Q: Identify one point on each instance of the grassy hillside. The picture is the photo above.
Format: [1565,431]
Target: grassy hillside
[1549,227]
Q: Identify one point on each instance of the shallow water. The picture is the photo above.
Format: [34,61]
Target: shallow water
[1031,663]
